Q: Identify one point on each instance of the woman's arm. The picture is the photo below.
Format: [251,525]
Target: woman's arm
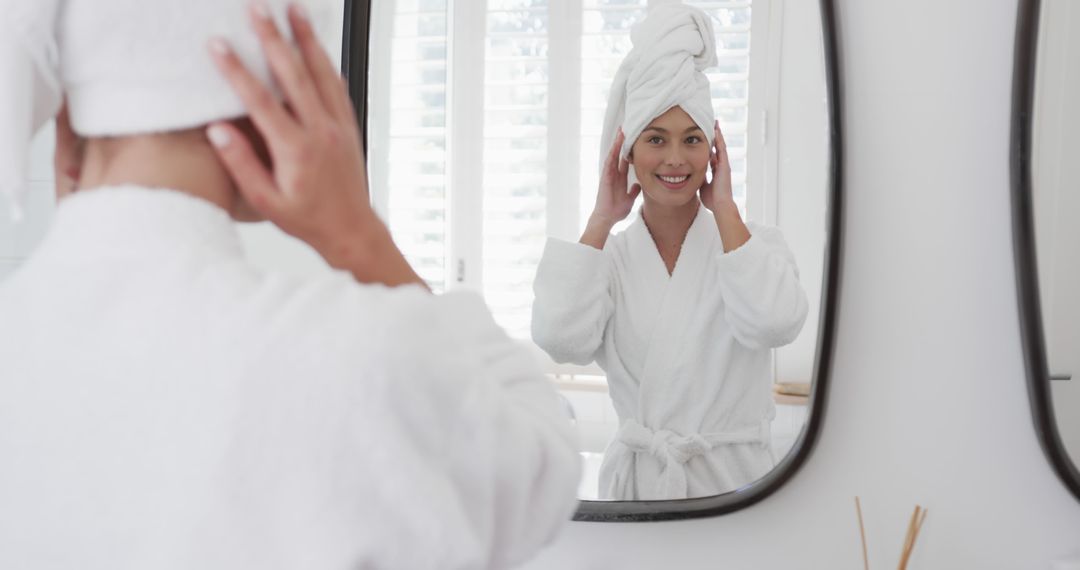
[317,188]
[764,302]
[573,301]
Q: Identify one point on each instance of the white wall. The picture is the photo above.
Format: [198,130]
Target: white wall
[1056,181]
[928,401]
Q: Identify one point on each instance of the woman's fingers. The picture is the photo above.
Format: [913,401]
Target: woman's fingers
[328,80]
[268,114]
[615,164]
[720,144]
[254,181]
[287,66]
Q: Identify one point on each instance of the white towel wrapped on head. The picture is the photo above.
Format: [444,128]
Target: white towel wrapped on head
[673,46]
[125,67]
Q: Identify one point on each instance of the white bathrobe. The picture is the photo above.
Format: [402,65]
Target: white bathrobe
[687,356]
[164,405]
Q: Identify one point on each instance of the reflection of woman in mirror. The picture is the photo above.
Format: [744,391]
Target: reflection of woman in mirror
[681,309]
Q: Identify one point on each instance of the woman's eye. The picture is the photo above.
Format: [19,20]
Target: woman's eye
[655,140]
[693,139]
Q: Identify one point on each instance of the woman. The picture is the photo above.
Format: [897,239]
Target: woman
[682,309]
[165,404]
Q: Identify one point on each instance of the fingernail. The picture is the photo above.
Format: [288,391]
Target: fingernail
[218,136]
[299,10]
[260,9]
[219,46]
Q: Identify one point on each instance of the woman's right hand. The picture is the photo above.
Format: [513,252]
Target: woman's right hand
[613,201]
[316,188]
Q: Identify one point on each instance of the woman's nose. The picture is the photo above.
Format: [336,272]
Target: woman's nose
[674,158]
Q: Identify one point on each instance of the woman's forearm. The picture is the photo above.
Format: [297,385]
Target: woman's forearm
[371,256]
[733,232]
[596,233]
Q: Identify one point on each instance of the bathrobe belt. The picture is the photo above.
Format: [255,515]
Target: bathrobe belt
[674,450]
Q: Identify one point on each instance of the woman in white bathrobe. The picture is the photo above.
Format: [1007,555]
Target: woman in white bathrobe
[682,309]
[164,403]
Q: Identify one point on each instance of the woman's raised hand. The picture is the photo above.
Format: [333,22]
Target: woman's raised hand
[613,201]
[316,189]
[717,194]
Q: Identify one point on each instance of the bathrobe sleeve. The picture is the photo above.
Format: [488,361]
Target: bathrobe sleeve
[573,301]
[486,414]
[763,300]
[31,92]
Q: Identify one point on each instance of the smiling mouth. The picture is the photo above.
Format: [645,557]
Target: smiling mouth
[673,182]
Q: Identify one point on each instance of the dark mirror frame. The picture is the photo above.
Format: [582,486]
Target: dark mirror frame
[354,67]
[1024,252]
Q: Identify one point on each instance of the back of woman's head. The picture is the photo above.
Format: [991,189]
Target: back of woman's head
[124,67]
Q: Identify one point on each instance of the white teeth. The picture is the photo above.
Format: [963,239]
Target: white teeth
[673,179]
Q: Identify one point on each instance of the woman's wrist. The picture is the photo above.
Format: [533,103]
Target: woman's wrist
[725,208]
[600,223]
[733,231]
[368,252]
[596,231]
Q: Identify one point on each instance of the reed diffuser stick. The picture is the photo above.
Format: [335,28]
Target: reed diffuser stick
[914,525]
[862,534]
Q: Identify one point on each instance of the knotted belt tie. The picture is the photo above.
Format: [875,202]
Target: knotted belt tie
[674,450]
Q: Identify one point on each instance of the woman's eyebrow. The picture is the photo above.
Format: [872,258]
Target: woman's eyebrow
[657,129]
[692,129]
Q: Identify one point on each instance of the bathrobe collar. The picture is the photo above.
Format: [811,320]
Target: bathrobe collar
[701,234]
[133,220]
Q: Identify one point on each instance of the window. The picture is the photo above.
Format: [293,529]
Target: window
[482,145]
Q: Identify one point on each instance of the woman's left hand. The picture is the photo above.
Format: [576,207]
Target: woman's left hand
[716,194]
[718,198]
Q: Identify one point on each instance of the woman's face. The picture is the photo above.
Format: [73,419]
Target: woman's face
[670,158]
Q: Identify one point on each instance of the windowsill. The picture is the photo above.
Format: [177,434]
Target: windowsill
[576,383]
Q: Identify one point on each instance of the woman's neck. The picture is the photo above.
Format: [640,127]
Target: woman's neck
[183,161]
[668,225]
